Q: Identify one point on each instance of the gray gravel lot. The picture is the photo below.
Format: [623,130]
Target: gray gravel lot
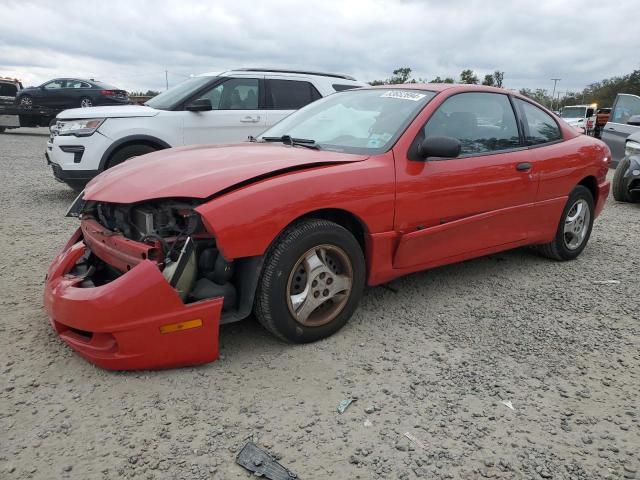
[434,359]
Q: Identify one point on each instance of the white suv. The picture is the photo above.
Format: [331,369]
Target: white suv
[210,108]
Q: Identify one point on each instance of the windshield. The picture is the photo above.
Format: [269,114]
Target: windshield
[355,121]
[167,100]
[573,112]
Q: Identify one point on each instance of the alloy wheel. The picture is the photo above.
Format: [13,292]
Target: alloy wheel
[319,285]
[86,102]
[576,224]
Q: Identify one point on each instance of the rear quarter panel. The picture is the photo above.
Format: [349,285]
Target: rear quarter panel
[246,221]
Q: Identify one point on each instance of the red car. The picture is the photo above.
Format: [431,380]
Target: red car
[357,188]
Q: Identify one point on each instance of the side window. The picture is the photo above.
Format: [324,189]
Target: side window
[234,94]
[626,106]
[542,127]
[290,94]
[55,84]
[8,90]
[77,84]
[483,122]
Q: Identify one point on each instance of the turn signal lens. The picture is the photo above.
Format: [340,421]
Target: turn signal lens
[178,327]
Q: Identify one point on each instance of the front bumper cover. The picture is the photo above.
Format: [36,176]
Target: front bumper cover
[117,326]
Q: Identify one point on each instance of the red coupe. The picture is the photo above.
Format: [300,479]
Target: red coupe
[357,188]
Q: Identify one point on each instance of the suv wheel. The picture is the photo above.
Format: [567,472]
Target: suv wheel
[620,193]
[311,283]
[128,152]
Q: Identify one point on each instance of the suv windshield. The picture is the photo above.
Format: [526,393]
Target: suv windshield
[354,121]
[573,112]
[167,100]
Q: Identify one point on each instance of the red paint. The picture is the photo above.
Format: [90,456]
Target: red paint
[416,215]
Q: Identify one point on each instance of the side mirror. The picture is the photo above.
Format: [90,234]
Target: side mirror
[200,105]
[443,147]
[634,120]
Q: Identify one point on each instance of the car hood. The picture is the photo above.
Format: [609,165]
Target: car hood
[572,120]
[115,111]
[204,170]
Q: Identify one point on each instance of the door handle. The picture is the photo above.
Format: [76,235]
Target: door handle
[250,120]
[523,167]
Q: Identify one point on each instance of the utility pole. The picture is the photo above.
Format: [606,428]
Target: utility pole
[166,79]
[555,82]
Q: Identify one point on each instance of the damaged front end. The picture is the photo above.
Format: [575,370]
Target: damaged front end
[143,286]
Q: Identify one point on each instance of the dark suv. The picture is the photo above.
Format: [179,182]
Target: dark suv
[63,93]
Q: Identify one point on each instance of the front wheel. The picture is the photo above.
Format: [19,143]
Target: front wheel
[620,192]
[26,102]
[574,228]
[85,102]
[311,283]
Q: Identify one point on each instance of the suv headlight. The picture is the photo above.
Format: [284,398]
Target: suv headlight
[631,148]
[79,128]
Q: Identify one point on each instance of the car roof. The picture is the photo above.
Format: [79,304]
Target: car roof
[441,87]
[275,71]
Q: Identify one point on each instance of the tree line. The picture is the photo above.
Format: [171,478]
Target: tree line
[603,92]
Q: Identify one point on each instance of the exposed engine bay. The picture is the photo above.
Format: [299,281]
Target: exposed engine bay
[182,248]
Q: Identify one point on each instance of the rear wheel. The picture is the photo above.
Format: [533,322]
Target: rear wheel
[311,283]
[128,152]
[574,228]
[86,102]
[620,192]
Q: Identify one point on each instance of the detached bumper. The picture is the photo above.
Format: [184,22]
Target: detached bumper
[117,326]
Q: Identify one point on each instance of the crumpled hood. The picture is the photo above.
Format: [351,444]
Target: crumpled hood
[112,111]
[202,170]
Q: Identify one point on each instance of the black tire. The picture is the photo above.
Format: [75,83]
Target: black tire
[52,122]
[2,129]
[271,305]
[558,249]
[620,193]
[128,152]
[86,102]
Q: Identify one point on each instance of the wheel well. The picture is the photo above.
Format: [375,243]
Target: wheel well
[592,184]
[343,218]
[149,143]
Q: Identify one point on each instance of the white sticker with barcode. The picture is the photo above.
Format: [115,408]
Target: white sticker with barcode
[403,95]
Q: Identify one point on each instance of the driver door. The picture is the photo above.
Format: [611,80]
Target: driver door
[458,207]
[237,112]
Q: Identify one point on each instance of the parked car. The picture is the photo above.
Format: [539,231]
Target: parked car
[624,121]
[580,116]
[360,187]
[626,180]
[602,117]
[9,88]
[62,93]
[210,108]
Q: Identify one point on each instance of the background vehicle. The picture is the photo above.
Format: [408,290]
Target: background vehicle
[602,117]
[626,180]
[623,121]
[9,88]
[210,108]
[62,93]
[581,116]
[294,224]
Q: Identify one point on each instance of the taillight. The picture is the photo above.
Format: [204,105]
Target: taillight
[108,93]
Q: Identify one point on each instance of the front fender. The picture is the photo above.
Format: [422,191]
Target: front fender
[246,220]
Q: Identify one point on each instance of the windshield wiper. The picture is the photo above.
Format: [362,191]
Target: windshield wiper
[289,140]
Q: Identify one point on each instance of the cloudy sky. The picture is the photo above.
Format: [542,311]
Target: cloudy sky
[131,43]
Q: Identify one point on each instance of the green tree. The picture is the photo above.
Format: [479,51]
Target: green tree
[468,76]
[442,80]
[400,75]
[498,77]
[489,80]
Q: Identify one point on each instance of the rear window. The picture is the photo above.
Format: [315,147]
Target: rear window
[290,94]
[8,90]
[340,87]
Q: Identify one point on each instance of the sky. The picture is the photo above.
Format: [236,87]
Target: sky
[130,44]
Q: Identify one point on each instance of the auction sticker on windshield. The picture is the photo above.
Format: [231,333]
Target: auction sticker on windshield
[403,94]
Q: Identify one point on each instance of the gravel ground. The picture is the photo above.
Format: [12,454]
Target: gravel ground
[436,359]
